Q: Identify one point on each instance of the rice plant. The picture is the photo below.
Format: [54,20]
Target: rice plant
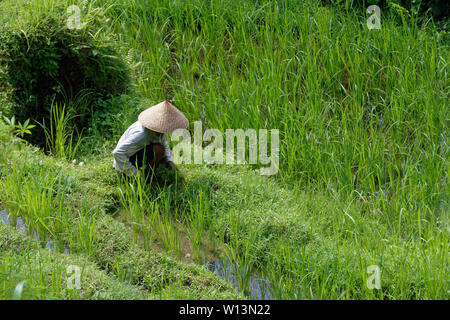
[59,138]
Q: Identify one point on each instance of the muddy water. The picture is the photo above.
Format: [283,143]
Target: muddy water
[256,288]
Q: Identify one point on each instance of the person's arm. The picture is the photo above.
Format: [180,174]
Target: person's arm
[124,149]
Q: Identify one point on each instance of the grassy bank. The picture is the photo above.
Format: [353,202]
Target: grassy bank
[72,206]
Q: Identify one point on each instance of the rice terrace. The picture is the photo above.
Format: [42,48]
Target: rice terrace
[224,150]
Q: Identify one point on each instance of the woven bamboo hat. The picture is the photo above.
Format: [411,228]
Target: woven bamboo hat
[163,118]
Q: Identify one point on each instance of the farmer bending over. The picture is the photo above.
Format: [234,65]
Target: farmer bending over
[143,145]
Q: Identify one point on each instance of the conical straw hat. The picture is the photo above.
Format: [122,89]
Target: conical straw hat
[163,118]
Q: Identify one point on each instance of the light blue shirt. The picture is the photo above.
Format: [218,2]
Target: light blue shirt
[135,138]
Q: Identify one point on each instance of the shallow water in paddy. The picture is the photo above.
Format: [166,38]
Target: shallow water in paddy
[257,288]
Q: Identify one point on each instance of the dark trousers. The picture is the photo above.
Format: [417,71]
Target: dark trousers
[142,159]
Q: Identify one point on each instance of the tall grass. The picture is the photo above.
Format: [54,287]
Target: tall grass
[37,196]
[359,111]
[150,218]
[361,114]
[59,137]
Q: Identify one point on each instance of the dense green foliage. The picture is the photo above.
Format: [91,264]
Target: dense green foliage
[439,9]
[42,61]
